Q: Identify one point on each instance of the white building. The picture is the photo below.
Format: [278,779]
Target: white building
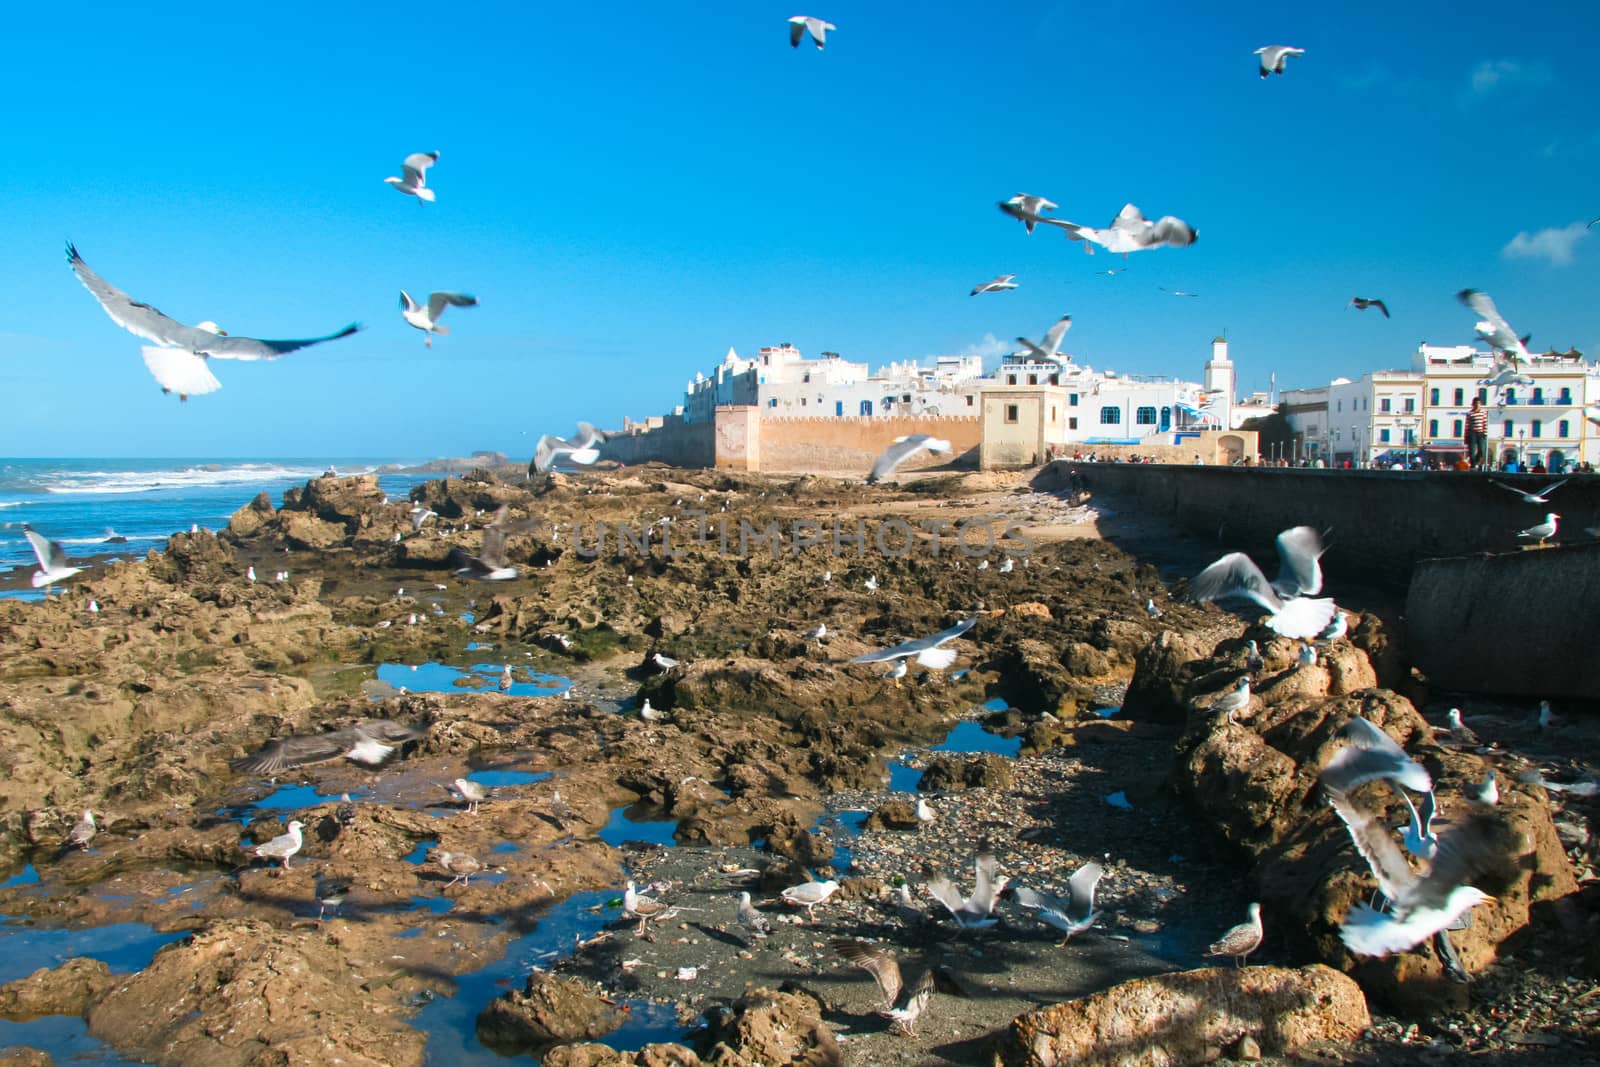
[1545,422]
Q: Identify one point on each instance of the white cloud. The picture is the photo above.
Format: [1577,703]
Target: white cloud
[1497,74]
[991,348]
[1550,243]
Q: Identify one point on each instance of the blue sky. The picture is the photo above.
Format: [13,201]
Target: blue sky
[630,189]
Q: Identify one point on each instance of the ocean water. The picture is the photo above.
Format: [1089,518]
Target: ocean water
[81,502]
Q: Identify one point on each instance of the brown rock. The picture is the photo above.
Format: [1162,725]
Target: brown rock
[64,990]
[1161,674]
[768,1027]
[23,1056]
[224,996]
[1185,1016]
[892,815]
[1031,609]
[548,1010]
[304,531]
[950,773]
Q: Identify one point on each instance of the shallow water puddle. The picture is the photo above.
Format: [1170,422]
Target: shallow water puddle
[846,827]
[970,737]
[28,876]
[903,777]
[434,677]
[634,823]
[419,855]
[125,948]
[495,778]
[451,1022]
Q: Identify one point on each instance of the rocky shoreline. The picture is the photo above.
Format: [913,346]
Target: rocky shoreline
[137,712]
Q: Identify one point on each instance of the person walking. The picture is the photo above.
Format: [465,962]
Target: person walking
[1477,435]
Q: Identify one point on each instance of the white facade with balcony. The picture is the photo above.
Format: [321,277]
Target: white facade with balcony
[1546,423]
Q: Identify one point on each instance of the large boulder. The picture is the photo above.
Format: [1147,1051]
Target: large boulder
[767,1027]
[1189,1017]
[64,990]
[546,1011]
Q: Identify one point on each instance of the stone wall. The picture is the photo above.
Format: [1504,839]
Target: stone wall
[1379,523]
[1520,624]
[682,444]
[849,444]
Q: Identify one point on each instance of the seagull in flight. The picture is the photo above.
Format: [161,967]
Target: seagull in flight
[1494,328]
[901,1011]
[801,25]
[928,651]
[415,176]
[1176,292]
[1072,915]
[426,319]
[1372,754]
[1273,57]
[998,285]
[584,448]
[1029,210]
[1048,347]
[52,558]
[1288,597]
[1130,231]
[1361,303]
[901,450]
[1538,496]
[368,742]
[177,360]
[977,911]
[491,563]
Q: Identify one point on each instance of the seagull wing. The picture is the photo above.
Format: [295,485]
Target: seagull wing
[876,961]
[385,730]
[921,646]
[1509,488]
[1052,338]
[1547,490]
[417,164]
[224,346]
[1300,550]
[797,30]
[51,556]
[1130,220]
[1372,754]
[179,371]
[299,750]
[1376,845]
[437,302]
[494,547]
[987,883]
[941,889]
[1235,574]
[138,318]
[1380,305]
[895,455]
[1080,890]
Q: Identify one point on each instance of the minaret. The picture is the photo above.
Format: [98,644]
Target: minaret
[1219,382]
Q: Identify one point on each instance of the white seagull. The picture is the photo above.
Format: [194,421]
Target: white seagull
[1240,940]
[977,911]
[1494,328]
[1273,57]
[1029,210]
[1076,913]
[809,894]
[51,556]
[1372,754]
[998,285]
[1045,351]
[1288,597]
[415,171]
[178,360]
[1538,496]
[926,650]
[901,450]
[801,25]
[426,318]
[1233,701]
[1542,531]
[491,564]
[469,793]
[283,846]
[82,832]
[1130,231]
[584,448]
[365,742]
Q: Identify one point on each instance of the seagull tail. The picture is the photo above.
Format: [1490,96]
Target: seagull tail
[439,329]
[425,193]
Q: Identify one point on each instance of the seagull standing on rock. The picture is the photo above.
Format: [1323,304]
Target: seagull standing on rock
[82,832]
[1542,531]
[751,921]
[469,793]
[1232,703]
[283,846]
[809,894]
[1240,940]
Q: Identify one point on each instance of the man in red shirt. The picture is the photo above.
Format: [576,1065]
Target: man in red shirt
[1477,435]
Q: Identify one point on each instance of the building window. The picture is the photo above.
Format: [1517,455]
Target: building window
[1072,423]
[1433,427]
[866,407]
[969,400]
[1456,428]
[802,401]
[1566,396]
[1072,400]
[1410,405]
[838,407]
[1384,404]
[1563,428]
[773,402]
[1110,416]
[1338,405]
[1461,396]
[1433,396]
[1511,396]
[1145,416]
[1538,395]
[1483,395]
[905,398]
[1383,436]
[1507,430]
[1011,379]
[1536,428]
[1055,379]
[1052,413]
[1033,379]
[1011,413]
